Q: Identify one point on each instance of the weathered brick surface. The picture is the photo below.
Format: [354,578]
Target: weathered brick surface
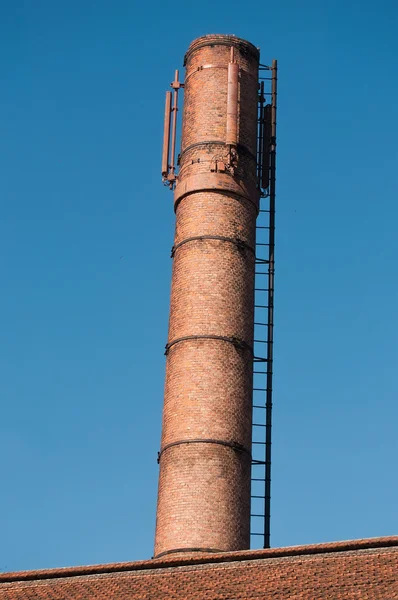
[359,570]
[204,487]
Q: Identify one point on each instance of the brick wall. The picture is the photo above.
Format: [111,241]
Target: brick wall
[204,481]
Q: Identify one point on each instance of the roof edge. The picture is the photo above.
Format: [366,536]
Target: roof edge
[241,555]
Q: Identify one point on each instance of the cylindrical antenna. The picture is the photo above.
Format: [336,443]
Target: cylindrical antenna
[175,86]
[260,131]
[232,104]
[166,136]
[266,146]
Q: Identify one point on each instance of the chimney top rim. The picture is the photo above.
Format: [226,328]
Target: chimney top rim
[214,39]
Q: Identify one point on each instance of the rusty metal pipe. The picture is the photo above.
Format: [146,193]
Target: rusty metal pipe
[232,105]
[166,136]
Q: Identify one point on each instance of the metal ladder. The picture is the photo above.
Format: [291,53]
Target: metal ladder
[264,312]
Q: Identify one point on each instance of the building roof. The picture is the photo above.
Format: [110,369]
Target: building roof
[361,569]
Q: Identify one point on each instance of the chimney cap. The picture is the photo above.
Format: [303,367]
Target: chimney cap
[217,39]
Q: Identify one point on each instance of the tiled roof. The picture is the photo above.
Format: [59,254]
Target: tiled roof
[360,570]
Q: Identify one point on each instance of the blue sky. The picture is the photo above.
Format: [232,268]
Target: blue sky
[85,233]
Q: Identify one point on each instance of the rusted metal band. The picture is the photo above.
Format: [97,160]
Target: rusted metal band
[229,444]
[240,244]
[238,343]
[216,182]
[177,550]
[241,149]
[204,143]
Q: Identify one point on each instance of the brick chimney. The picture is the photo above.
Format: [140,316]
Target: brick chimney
[205,454]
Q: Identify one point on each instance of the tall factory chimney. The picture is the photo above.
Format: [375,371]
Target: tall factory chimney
[205,453]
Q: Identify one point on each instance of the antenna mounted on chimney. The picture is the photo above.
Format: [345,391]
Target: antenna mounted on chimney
[170,131]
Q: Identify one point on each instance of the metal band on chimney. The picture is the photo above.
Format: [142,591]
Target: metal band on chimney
[239,344]
[189,550]
[229,444]
[216,182]
[240,244]
[241,148]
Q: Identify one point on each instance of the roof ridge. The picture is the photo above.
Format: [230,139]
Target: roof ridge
[181,561]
